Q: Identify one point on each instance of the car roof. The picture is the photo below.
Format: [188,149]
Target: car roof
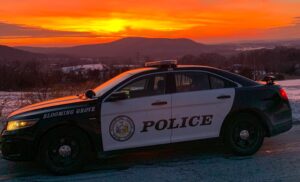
[140,70]
[243,81]
[181,67]
[194,66]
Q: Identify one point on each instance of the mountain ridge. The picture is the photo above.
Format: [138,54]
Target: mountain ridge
[155,48]
[131,47]
[13,54]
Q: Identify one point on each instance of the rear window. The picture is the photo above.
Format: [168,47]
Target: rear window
[191,81]
[196,81]
[218,83]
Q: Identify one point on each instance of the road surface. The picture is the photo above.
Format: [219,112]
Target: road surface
[278,160]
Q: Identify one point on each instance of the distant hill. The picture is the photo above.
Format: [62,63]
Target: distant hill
[156,48]
[134,47]
[270,44]
[12,54]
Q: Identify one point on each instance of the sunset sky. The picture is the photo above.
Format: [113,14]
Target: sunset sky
[73,22]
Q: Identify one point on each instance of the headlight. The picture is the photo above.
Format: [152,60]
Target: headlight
[18,124]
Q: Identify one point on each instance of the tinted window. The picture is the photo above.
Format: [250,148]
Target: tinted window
[217,83]
[191,81]
[146,86]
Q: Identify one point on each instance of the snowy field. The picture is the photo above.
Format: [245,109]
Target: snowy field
[10,101]
[293,90]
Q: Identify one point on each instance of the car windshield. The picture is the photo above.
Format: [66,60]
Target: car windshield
[106,86]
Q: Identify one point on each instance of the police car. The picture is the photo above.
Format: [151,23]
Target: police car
[161,103]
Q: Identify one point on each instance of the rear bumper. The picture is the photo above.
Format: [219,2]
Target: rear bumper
[281,120]
[280,128]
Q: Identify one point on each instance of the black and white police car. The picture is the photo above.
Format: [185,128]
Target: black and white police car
[162,103]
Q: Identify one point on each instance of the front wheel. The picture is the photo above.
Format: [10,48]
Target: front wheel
[244,135]
[64,150]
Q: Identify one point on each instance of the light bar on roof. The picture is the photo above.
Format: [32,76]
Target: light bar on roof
[165,63]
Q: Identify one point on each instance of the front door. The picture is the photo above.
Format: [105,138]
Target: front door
[139,120]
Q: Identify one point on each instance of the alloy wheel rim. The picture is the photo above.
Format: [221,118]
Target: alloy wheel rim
[64,151]
[245,135]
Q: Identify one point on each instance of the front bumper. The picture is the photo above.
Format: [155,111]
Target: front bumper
[17,147]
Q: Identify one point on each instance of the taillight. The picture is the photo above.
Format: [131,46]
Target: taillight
[283,94]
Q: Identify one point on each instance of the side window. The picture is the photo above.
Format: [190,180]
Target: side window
[217,83]
[139,85]
[146,86]
[191,81]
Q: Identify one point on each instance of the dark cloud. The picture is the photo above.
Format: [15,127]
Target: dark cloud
[14,31]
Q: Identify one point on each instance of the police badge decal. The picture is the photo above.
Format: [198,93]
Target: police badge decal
[121,128]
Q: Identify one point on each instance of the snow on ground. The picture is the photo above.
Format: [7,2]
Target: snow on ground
[84,68]
[11,101]
[292,88]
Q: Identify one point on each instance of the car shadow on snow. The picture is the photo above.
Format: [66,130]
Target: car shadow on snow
[162,155]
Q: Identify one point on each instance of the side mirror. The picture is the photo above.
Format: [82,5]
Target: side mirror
[90,94]
[269,80]
[118,96]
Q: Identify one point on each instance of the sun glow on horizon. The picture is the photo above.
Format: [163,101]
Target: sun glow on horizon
[112,25]
[72,22]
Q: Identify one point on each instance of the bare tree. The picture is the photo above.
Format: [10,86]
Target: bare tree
[2,105]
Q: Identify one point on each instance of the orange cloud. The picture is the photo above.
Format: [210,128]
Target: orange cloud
[203,20]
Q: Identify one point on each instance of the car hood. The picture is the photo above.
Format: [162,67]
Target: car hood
[49,104]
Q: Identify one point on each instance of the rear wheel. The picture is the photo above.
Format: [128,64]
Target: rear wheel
[244,135]
[64,150]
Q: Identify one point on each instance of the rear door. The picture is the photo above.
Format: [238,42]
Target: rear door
[132,122]
[200,104]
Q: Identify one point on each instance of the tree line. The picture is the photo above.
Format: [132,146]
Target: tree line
[26,75]
[23,76]
[279,59]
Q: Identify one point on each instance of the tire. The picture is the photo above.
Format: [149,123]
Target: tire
[244,134]
[64,150]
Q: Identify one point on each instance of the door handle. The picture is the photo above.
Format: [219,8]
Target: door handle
[158,103]
[224,97]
